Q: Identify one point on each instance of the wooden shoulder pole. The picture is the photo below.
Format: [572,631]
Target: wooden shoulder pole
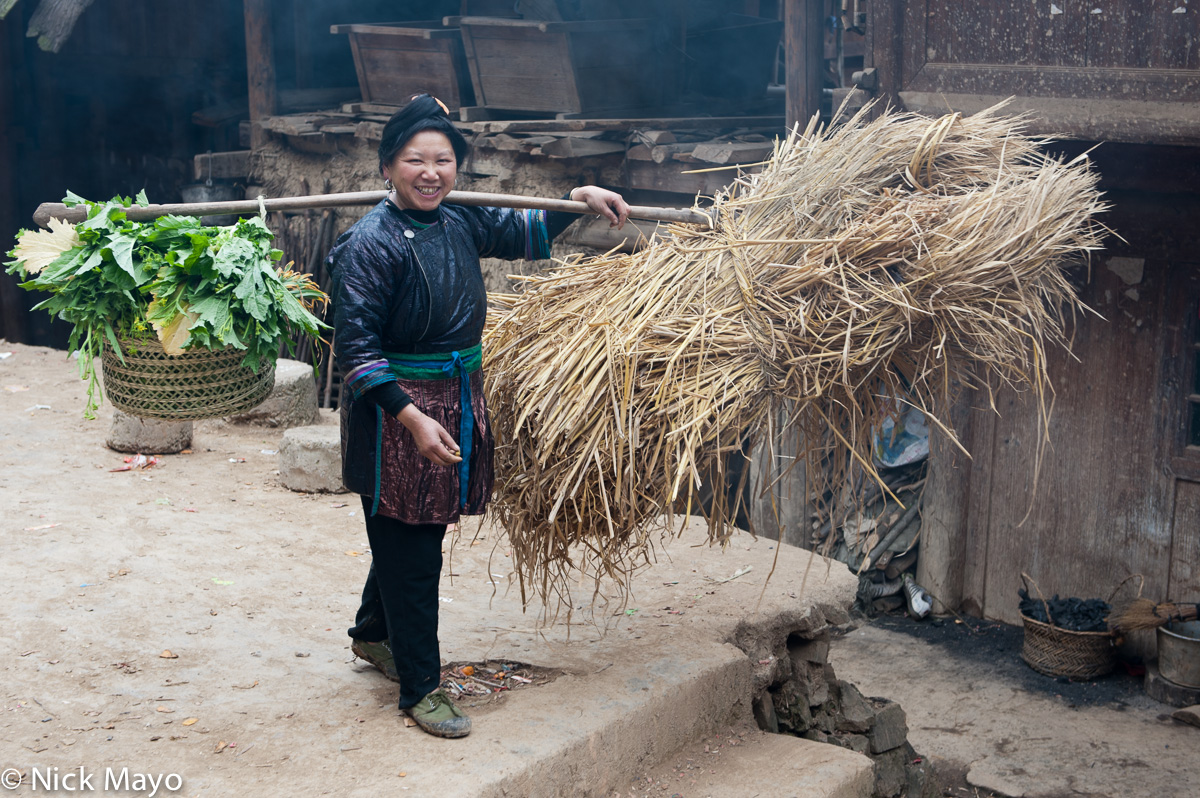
[56,210]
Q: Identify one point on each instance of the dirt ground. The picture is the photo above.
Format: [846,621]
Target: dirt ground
[993,726]
[191,619]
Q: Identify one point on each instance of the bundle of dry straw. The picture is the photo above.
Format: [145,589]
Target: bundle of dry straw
[884,258]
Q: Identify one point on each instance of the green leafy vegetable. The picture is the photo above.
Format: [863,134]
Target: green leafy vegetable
[117,278]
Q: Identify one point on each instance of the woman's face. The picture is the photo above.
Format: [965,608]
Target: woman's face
[423,171]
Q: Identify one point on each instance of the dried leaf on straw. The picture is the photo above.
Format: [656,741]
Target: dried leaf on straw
[37,249]
[894,257]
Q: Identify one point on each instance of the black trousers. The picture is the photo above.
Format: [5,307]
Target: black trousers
[400,600]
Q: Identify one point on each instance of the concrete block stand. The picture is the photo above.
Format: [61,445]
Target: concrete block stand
[138,435]
[291,403]
[310,459]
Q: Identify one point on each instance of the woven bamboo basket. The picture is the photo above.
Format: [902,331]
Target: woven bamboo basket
[1054,651]
[188,387]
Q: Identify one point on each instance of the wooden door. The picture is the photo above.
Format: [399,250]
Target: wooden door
[1117,70]
[1100,506]
[1182,393]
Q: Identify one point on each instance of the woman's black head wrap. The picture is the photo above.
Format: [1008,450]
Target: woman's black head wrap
[423,112]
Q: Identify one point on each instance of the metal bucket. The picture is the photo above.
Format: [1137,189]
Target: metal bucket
[1179,653]
[213,192]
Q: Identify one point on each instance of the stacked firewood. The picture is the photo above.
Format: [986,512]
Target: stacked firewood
[865,522]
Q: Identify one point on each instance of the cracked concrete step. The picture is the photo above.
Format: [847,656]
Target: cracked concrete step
[768,766]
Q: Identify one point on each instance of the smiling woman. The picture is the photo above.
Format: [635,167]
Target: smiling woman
[423,172]
[409,308]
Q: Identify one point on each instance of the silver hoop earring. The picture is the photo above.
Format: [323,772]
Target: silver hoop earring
[388,184]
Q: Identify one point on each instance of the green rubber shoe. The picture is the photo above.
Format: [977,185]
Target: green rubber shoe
[437,715]
[377,654]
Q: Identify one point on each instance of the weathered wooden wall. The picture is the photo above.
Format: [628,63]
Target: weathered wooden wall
[1121,70]
[1117,492]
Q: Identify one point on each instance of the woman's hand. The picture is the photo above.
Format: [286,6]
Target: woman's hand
[603,202]
[433,442]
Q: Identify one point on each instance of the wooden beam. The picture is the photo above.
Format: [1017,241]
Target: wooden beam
[654,123]
[1164,122]
[725,152]
[221,165]
[671,177]
[885,37]
[260,68]
[573,147]
[944,512]
[804,48]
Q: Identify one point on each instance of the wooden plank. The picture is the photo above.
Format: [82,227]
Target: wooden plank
[941,565]
[634,123]
[1181,86]
[670,177]
[1063,39]
[982,446]
[1102,506]
[1134,121]
[1184,580]
[382,109]
[804,44]
[498,24]
[391,74]
[666,152]
[1120,35]
[885,40]
[511,69]
[568,68]
[260,68]
[574,147]
[1006,33]
[914,55]
[638,152]
[778,488]
[1075,51]
[727,152]
[471,115]
[1181,364]
[656,137]
[415,30]
[1174,38]
[221,165]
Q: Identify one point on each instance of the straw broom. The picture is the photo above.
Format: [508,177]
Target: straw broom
[883,258]
[1142,613]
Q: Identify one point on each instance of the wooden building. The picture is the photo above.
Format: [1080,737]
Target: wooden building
[1118,491]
